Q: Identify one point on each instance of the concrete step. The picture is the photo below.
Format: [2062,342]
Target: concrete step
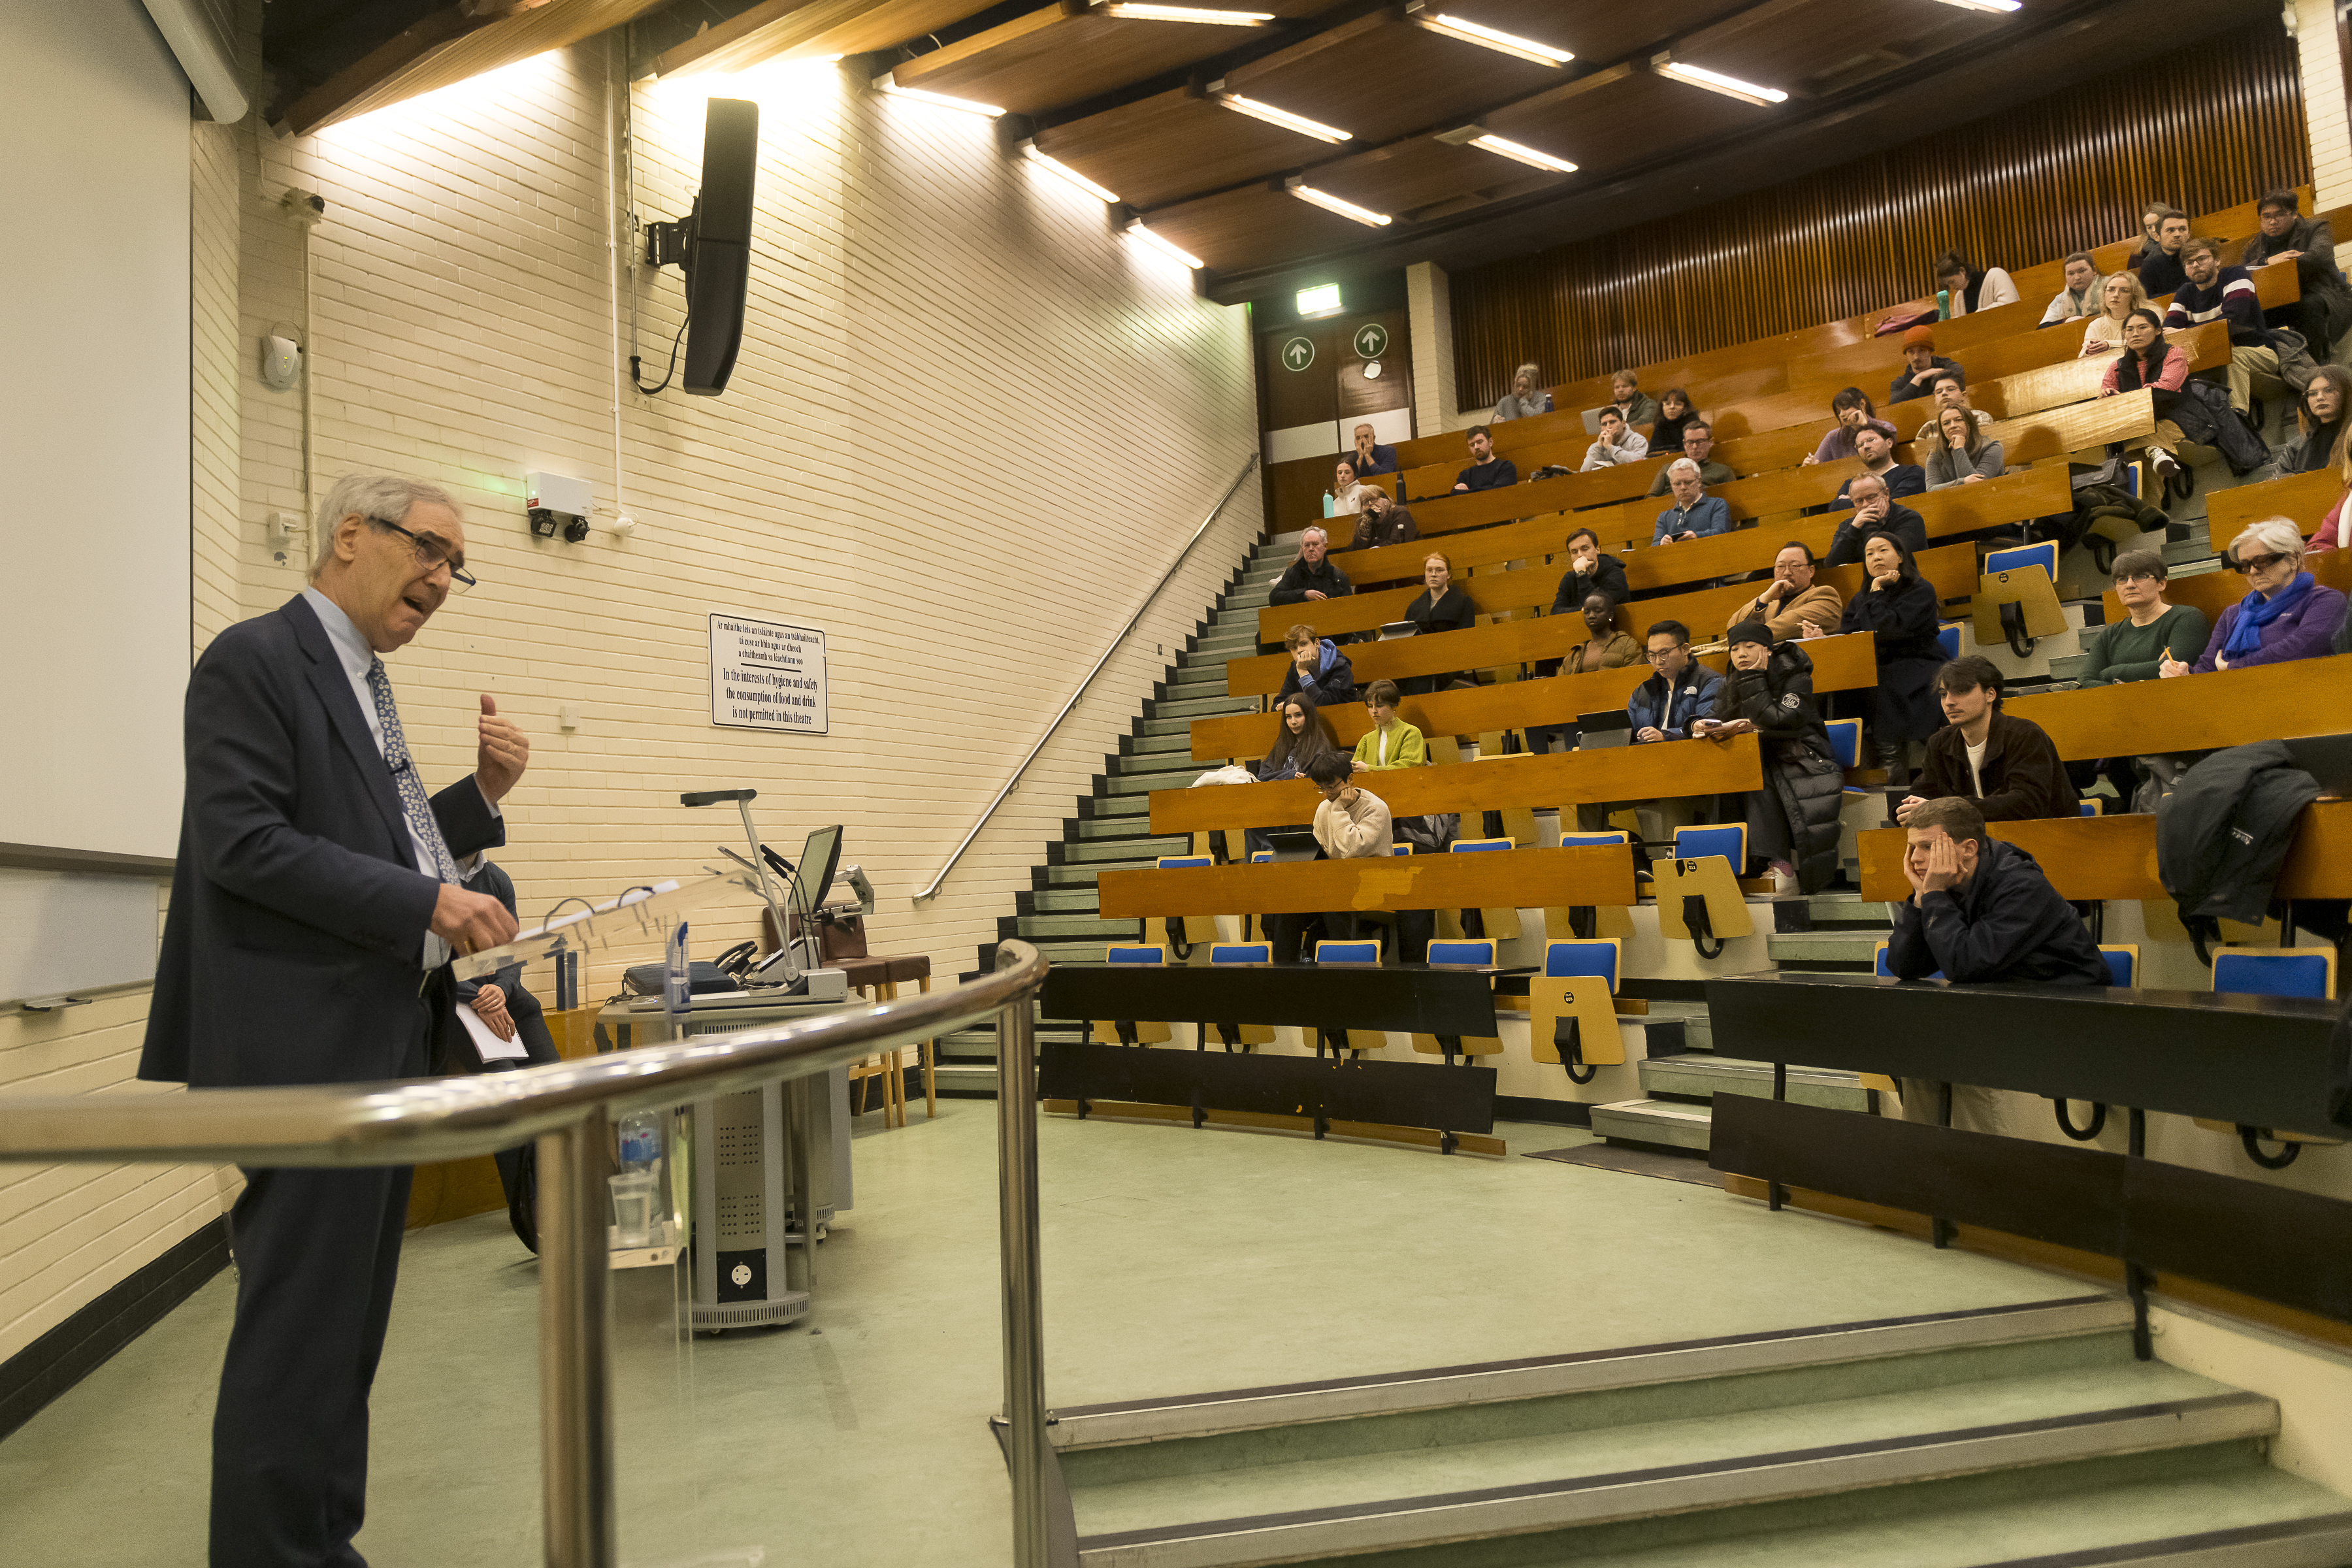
[1058,901]
[1847,911]
[1098,854]
[1603,1459]
[1107,806]
[1823,949]
[1702,1077]
[1093,829]
[1198,707]
[1664,1122]
[1029,928]
[1158,775]
[1058,874]
[1174,743]
[1174,724]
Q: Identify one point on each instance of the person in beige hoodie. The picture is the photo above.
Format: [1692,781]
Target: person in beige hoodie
[1794,598]
[1352,823]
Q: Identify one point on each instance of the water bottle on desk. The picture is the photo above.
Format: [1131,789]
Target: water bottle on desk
[636,1187]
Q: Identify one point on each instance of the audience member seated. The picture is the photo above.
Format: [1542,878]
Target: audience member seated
[1877,455]
[1390,742]
[1920,357]
[1344,494]
[2214,291]
[1527,397]
[1694,514]
[2319,423]
[1853,412]
[1793,600]
[2286,616]
[2120,296]
[1699,446]
[1674,415]
[2008,766]
[1317,667]
[1959,454]
[2160,265]
[1352,824]
[2331,526]
[2148,361]
[1898,608]
[1619,443]
[2079,298]
[1605,648]
[1949,388]
[1301,737]
[1371,456]
[2135,649]
[1980,910]
[1972,288]
[1875,512]
[2325,309]
[1626,397]
[1679,691]
[2151,220]
[1313,576]
[1440,606]
[1383,522]
[1590,572]
[1486,471]
[1793,821]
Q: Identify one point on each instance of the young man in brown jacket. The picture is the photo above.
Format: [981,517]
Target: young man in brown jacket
[2008,766]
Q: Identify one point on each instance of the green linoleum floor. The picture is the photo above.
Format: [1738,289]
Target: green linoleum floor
[1175,1262]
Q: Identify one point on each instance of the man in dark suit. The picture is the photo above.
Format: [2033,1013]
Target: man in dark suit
[315,905]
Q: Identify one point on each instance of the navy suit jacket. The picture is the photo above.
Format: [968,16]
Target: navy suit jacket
[297,917]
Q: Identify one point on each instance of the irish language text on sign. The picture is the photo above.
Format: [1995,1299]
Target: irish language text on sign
[765,675]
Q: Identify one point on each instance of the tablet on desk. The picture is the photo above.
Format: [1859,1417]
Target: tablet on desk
[1395,629]
[1293,844]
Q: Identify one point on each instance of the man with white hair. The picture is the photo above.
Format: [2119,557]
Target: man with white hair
[2285,615]
[1312,576]
[1694,514]
[316,903]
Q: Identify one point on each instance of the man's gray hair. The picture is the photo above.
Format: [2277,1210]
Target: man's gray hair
[1304,531]
[379,498]
[1681,466]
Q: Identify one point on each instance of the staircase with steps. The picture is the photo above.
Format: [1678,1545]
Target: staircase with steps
[1112,830]
[2017,1435]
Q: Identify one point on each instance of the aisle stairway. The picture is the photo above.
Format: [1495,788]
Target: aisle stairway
[1112,829]
[2005,1436]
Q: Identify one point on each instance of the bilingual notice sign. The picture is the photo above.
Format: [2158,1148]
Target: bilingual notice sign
[765,675]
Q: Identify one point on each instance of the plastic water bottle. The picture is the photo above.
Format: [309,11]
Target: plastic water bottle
[636,1186]
[641,1142]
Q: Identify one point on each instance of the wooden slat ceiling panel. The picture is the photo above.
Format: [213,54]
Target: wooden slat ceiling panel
[805,29]
[1391,78]
[1808,47]
[1638,116]
[1062,54]
[1172,144]
[448,46]
[1254,221]
[1420,172]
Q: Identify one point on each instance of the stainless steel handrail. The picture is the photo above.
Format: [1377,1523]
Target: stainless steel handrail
[1022,766]
[567,1108]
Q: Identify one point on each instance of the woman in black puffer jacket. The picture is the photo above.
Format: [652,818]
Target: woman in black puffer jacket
[1793,821]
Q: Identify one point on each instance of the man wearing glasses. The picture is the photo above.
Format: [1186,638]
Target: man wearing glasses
[316,903]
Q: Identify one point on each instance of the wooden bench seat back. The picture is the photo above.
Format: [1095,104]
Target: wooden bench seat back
[2076,380]
[2196,712]
[2304,500]
[1513,878]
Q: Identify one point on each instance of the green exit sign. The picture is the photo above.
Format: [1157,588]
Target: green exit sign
[1323,300]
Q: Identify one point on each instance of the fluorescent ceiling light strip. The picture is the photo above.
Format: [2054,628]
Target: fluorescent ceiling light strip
[887,83]
[1055,165]
[1729,86]
[1188,13]
[1283,118]
[1994,6]
[1524,154]
[1330,203]
[1165,246]
[1494,39]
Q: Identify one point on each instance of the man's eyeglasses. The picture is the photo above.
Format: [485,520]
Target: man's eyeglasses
[1660,655]
[433,552]
[2254,563]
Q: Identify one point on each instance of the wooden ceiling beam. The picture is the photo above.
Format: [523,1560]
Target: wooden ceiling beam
[1020,30]
[800,29]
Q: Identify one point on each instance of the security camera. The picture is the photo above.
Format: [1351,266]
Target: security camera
[303,206]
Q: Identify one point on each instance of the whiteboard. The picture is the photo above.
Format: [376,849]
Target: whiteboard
[62,931]
[94,427]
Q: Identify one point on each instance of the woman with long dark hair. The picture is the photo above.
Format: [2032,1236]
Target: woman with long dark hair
[1674,411]
[2319,421]
[2148,361]
[1897,606]
[1301,737]
[1793,821]
[1852,410]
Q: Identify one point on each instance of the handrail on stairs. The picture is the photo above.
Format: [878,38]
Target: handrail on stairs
[1022,766]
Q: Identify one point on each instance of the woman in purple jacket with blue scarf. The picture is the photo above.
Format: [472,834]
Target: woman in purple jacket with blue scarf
[2286,616]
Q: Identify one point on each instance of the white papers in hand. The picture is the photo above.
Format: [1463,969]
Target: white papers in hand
[486,1039]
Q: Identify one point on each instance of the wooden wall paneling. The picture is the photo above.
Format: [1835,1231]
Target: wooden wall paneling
[2206,128]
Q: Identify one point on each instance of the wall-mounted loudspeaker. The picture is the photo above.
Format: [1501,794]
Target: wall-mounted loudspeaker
[713,244]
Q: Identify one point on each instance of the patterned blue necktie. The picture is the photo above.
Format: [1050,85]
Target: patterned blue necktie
[403,773]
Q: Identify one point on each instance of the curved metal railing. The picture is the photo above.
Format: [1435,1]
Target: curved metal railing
[567,1107]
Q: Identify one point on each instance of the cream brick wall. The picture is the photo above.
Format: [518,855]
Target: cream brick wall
[953,371]
[2323,102]
[1429,306]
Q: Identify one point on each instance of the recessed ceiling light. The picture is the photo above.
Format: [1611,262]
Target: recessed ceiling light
[1715,82]
[1495,39]
[1188,13]
[1330,203]
[1984,5]
[1056,166]
[1283,118]
[1165,247]
[887,83]
[1524,154]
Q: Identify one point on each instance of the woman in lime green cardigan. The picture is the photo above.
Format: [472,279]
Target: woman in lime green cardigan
[1390,742]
